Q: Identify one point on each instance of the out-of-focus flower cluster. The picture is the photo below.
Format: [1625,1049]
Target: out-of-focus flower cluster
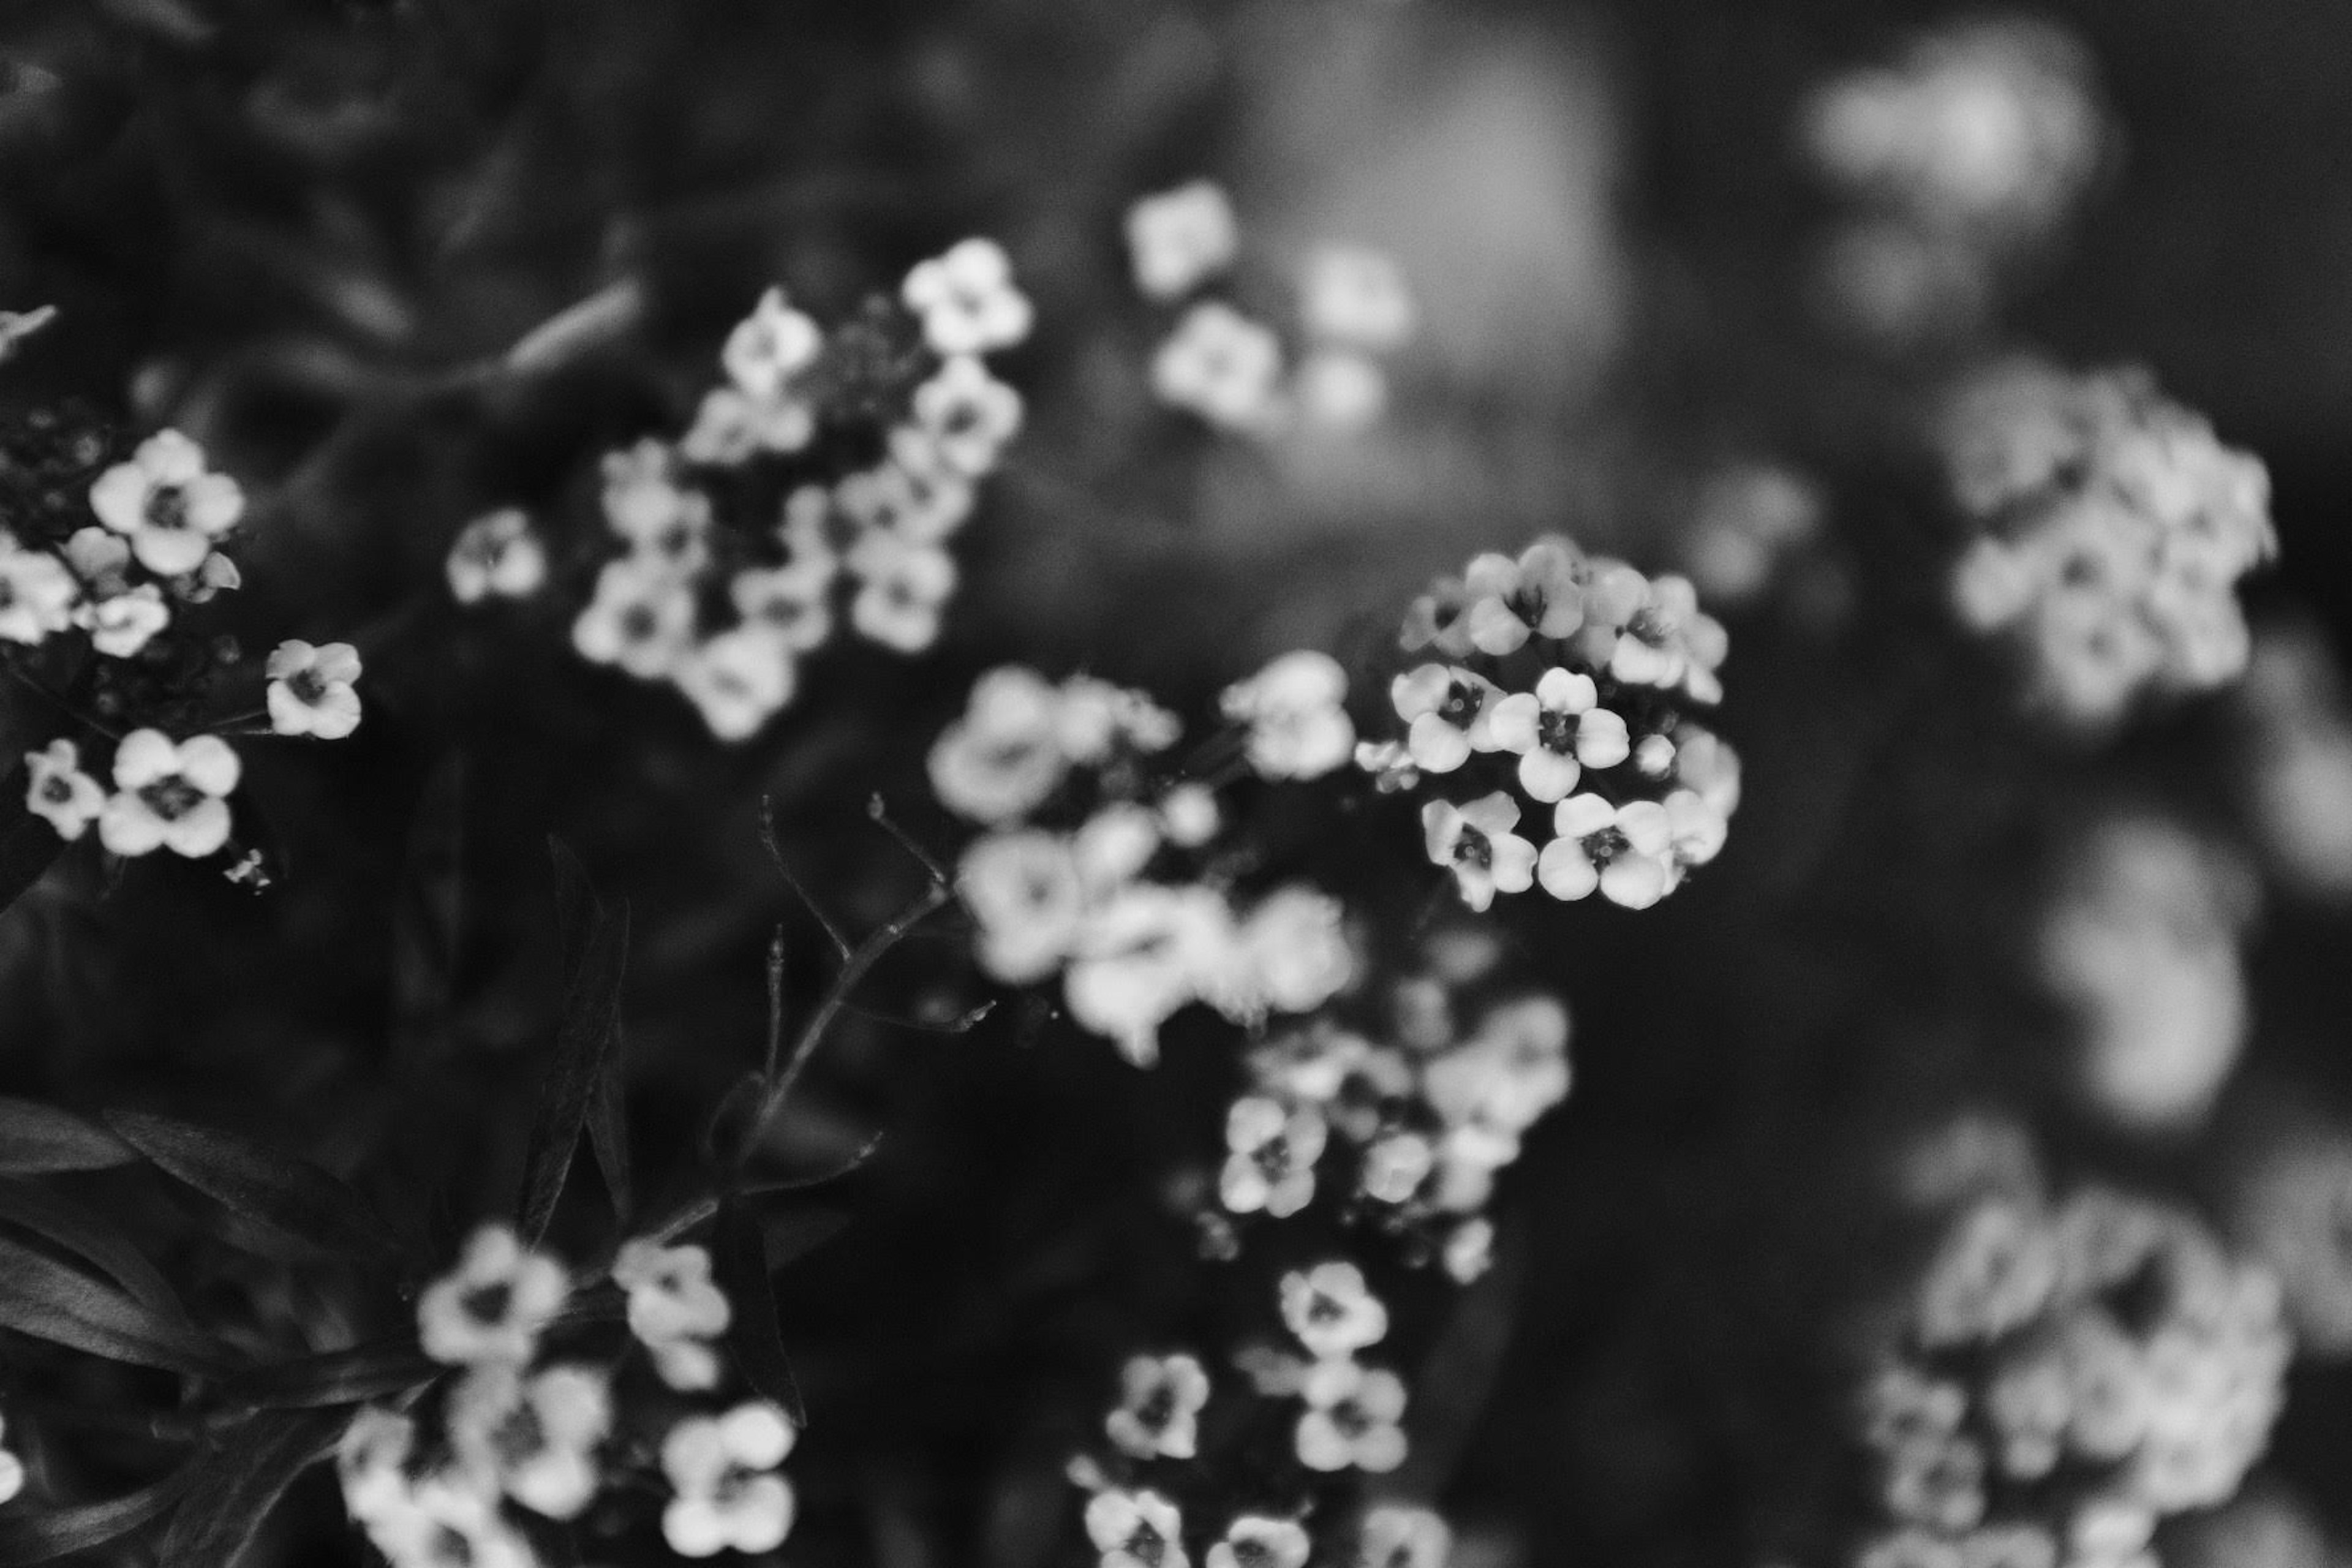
[1568,681]
[521,1426]
[1321,370]
[827,466]
[1968,154]
[1099,859]
[2111,530]
[2290,1206]
[2067,1377]
[1748,521]
[2295,761]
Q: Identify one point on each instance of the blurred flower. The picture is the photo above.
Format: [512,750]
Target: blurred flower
[1350,1419]
[121,626]
[739,679]
[12,1470]
[967,301]
[904,587]
[1179,238]
[1356,296]
[1476,842]
[788,602]
[1146,952]
[167,504]
[535,1437]
[1747,519]
[1254,1541]
[310,689]
[641,619]
[1331,1310]
[967,414]
[37,593]
[169,795]
[1398,1535]
[1298,727]
[1161,1399]
[1135,1529]
[721,1469]
[1271,1163]
[1004,756]
[769,346]
[1293,953]
[1340,391]
[672,1308]
[497,555]
[491,1307]
[1221,365]
[57,789]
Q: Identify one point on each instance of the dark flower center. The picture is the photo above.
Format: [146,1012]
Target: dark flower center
[1606,843]
[1251,1553]
[56,790]
[1474,849]
[1146,1545]
[1652,625]
[638,623]
[1556,732]
[306,686]
[487,1303]
[167,508]
[172,798]
[1157,1408]
[520,1436]
[1463,701]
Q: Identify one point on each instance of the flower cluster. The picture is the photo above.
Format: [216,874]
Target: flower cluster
[822,460]
[1568,681]
[1748,521]
[2068,1377]
[517,1427]
[1232,370]
[1092,866]
[1973,148]
[2111,530]
[2296,760]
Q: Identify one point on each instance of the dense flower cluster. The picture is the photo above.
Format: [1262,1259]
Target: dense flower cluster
[519,1427]
[1568,681]
[1095,863]
[1234,370]
[2067,1377]
[824,467]
[2111,530]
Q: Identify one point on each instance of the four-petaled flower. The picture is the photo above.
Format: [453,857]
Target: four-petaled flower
[497,555]
[905,584]
[492,1306]
[1477,843]
[769,346]
[169,795]
[1449,713]
[58,790]
[1179,238]
[1542,594]
[1397,1535]
[1558,732]
[1298,727]
[1353,295]
[1256,1541]
[967,414]
[1221,365]
[122,624]
[310,689]
[1352,1417]
[738,680]
[1331,1310]
[966,299]
[673,1308]
[1271,1163]
[165,502]
[722,1468]
[1620,849]
[1161,1398]
[534,1437]
[37,593]
[1136,1529]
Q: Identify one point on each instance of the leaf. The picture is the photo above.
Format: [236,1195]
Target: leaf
[608,1137]
[740,1262]
[237,1484]
[48,1300]
[334,1377]
[26,1537]
[789,1237]
[596,942]
[287,1194]
[29,848]
[36,1139]
[579,329]
[91,1236]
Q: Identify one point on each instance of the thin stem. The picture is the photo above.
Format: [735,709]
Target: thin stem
[68,709]
[775,1003]
[881,814]
[776,853]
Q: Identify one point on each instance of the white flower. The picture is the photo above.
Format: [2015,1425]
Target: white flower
[1350,1419]
[1024,890]
[535,1438]
[497,555]
[1178,239]
[1356,296]
[1190,815]
[1004,756]
[722,1468]
[492,1306]
[641,618]
[1469,1250]
[1254,1541]
[448,1520]
[641,495]
[37,593]
[207,582]
[1221,365]
[730,426]
[1395,1535]
[310,689]
[1161,1398]
[1298,728]
[966,299]
[967,414]
[905,585]
[1331,1310]
[1271,1163]
[1096,716]
[1142,955]
[1136,1529]
[1340,391]
[101,560]
[672,1307]
[1620,849]
[769,346]
[1395,1165]
[1558,732]
[1114,845]
[918,493]
[371,1457]
[169,795]
[1295,954]
[739,679]
[1504,602]
[120,625]
[1476,842]
[58,789]
[167,505]
[787,602]
[1450,714]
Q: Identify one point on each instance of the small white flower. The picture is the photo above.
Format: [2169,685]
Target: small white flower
[1395,1165]
[641,495]
[1096,716]
[1350,1419]
[905,586]
[1148,951]
[1450,714]
[1295,954]
[534,1437]
[966,299]
[967,414]
[1004,756]
[120,625]
[58,789]
[310,689]
[739,679]
[1136,1529]
[1179,238]
[1025,890]
[1356,296]
[101,560]
[1395,1535]
[918,493]
[1469,1250]
[1558,732]
[1298,728]
[492,1306]
[641,618]
[769,346]
[169,795]
[1331,1310]
[1190,815]
[37,593]
[1161,1399]
[371,1457]
[1341,391]
[1221,365]
[730,426]
[722,1468]
[788,601]
[1476,842]
[1620,849]
[1271,1163]
[497,555]
[1254,1541]
[166,504]
[673,1307]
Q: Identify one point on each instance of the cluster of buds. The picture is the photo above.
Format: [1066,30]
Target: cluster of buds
[1567,681]
[2068,1377]
[539,1417]
[1229,367]
[1097,862]
[823,460]
[2111,530]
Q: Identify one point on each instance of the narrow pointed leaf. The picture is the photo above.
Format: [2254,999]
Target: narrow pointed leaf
[792,1235]
[596,949]
[238,1482]
[335,1377]
[36,1139]
[608,1136]
[739,1261]
[48,1300]
[28,1536]
[91,1236]
[286,1194]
